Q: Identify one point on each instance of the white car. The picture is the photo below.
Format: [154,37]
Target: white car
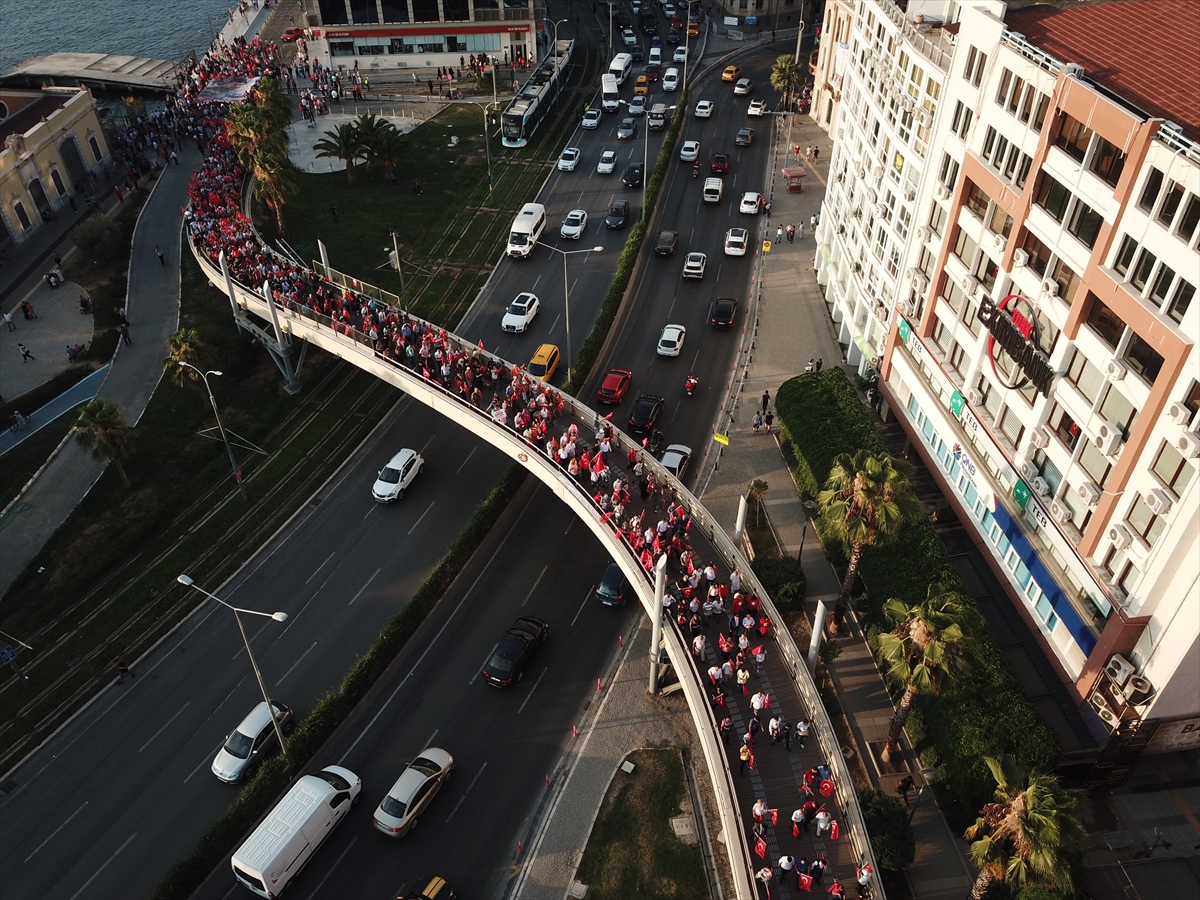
[689,151]
[520,313]
[591,119]
[608,162]
[397,475]
[680,55]
[704,109]
[637,106]
[574,225]
[743,86]
[670,80]
[736,241]
[399,811]
[694,265]
[752,203]
[250,742]
[757,108]
[629,38]
[675,459]
[569,159]
[670,342]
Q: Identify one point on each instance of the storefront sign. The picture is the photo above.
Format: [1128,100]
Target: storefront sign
[1012,327]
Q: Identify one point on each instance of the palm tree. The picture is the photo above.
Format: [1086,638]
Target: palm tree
[274,184]
[102,430]
[758,487]
[866,501]
[342,143]
[924,650]
[787,77]
[388,149]
[371,132]
[1023,837]
[185,346]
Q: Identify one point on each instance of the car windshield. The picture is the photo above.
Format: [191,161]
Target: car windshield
[388,475]
[334,779]
[537,368]
[239,745]
[393,807]
[518,240]
[425,766]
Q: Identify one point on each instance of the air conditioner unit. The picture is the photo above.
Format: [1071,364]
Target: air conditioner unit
[1000,241]
[1098,702]
[861,171]
[1108,438]
[1139,691]
[925,232]
[1040,487]
[1119,536]
[1060,512]
[1029,472]
[1188,444]
[974,397]
[841,229]
[882,314]
[910,194]
[923,117]
[1089,492]
[942,192]
[1020,257]
[881,209]
[1050,286]
[1040,437]
[971,285]
[1116,370]
[1119,669]
[909,104]
[1179,414]
[1159,501]
[921,281]
[877,173]
[1073,70]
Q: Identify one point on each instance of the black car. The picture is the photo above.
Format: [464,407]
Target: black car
[637,53]
[612,587]
[646,410]
[507,662]
[673,36]
[665,245]
[632,176]
[649,23]
[745,137]
[618,214]
[722,312]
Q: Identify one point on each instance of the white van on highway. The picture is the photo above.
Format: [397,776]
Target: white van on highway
[713,188]
[288,837]
[620,67]
[527,227]
[610,97]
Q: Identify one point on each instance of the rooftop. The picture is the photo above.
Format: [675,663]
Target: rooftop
[1146,51]
[26,109]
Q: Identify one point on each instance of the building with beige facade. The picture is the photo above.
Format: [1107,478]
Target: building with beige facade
[1020,264]
[51,140]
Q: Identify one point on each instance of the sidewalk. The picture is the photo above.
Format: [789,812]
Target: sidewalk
[793,327]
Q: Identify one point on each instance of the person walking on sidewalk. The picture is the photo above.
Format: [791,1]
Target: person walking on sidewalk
[125,333]
[768,419]
[162,257]
[766,399]
[25,354]
[904,786]
[8,320]
[791,233]
[779,235]
[744,756]
[803,726]
[123,670]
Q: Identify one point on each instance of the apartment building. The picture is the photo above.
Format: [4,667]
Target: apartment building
[1022,262]
[827,64]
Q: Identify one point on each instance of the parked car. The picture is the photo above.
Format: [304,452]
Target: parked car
[506,665]
[394,478]
[752,203]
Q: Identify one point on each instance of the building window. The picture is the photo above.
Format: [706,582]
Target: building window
[1052,196]
[1066,279]
[1011,426]
[395,11]
[1172,469]
[364,12]
[952,294]
[333,12]
[941,336]
[1023,171]
[1190,219]
[1141,272]
[1125,255]
[1006,78]
[1085,376]
[1039,116]
[1142,358]
[1108,162]
[1150,190]
[425,11]
[949,172]
[1171,203]
[1014,99]
[1085,224]
[1192,398]
[927,261]
[1095,463]
[965,247]
[1161,287]
[990,396]
[986,271]
[1117,409]
[1124,574]
[1064,426]
[962,120]
[1073,138]
[1039,253]
[1001,222]
[1106,323]
[989,143]
[958,359]
[1143,521]
[976,200]
[937,219]
[1184,292]
[971,317]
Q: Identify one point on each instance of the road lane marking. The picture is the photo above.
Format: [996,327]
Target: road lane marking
[567,530]
[365,586]
[321,884]
[56,831]
[206,761]
[479,668]
[368,513]
[423,515]
[467,460]
[586,597]
[467,791]
[87,883]
[536,582]
[425,446]
[296,663]
[429,740]
[521,708]
[320,567]
[164,728]
[433,641]
[553,324]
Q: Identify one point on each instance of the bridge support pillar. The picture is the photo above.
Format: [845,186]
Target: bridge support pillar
[740,529]
[278,343]
[817,630]
[656,617]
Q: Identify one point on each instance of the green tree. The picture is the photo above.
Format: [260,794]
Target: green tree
[787,77]
[892,836]
[274,183]
[371,134]
[342,143]
[866,501]
[758,487]
[389,149]
[925,649]
[1025,836]
[102,430]
[184,346]
[97,237]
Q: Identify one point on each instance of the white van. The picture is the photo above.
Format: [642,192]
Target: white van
[620,67]
[287,838]
[610,98]
[527,227]
[655,56]
[670,80]
[713,187]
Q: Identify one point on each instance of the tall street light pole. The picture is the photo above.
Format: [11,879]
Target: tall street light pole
[487,149]
[567,290]
[278,617]
[237,473]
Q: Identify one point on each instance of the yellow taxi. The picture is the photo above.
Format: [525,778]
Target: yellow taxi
[641,87]
[731,73]
[544,362]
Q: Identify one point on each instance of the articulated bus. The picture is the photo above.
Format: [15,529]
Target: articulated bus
[537,96]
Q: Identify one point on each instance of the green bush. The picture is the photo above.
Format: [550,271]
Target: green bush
[97,237]
[892,837]
[820,415]
[784,581]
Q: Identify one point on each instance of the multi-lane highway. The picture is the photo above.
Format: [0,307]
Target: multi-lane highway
[108,803]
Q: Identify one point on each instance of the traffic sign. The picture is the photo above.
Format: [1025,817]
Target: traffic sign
[721,438]
[766,247]
[7,654]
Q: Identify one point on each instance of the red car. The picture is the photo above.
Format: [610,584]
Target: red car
[292,33]
[614,386]
[719,163]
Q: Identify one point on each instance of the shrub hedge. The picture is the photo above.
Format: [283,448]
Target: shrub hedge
[820,416]
[253,801]
[892,836]
[784,581]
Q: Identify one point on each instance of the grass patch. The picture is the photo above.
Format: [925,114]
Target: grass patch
[30,455]
[632,851]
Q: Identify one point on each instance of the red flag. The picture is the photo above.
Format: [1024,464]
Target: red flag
[826,788]
[760,847]
[766,701]
[805,882]
[834,831]
[795,829]
[757,650]
[751,762]
[481,343]
[774,816]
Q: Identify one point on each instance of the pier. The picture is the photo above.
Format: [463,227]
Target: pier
[101,72]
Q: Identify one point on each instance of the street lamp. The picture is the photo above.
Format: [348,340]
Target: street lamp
[809,506]
[237,473]
[487,145]
[930,774]
[278,617]
[554,49]
[567,290]
[646,155]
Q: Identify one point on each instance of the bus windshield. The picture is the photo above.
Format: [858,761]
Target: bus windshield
[511,127]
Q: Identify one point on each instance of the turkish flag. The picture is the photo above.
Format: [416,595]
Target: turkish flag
[751,762]
[826,788]
[757,650]
[795,829]
[834,831]
[481,343]
[760,847]
[766,701]
[774,816]
[804,882]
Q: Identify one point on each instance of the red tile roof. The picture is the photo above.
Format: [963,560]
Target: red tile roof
[1146,51]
